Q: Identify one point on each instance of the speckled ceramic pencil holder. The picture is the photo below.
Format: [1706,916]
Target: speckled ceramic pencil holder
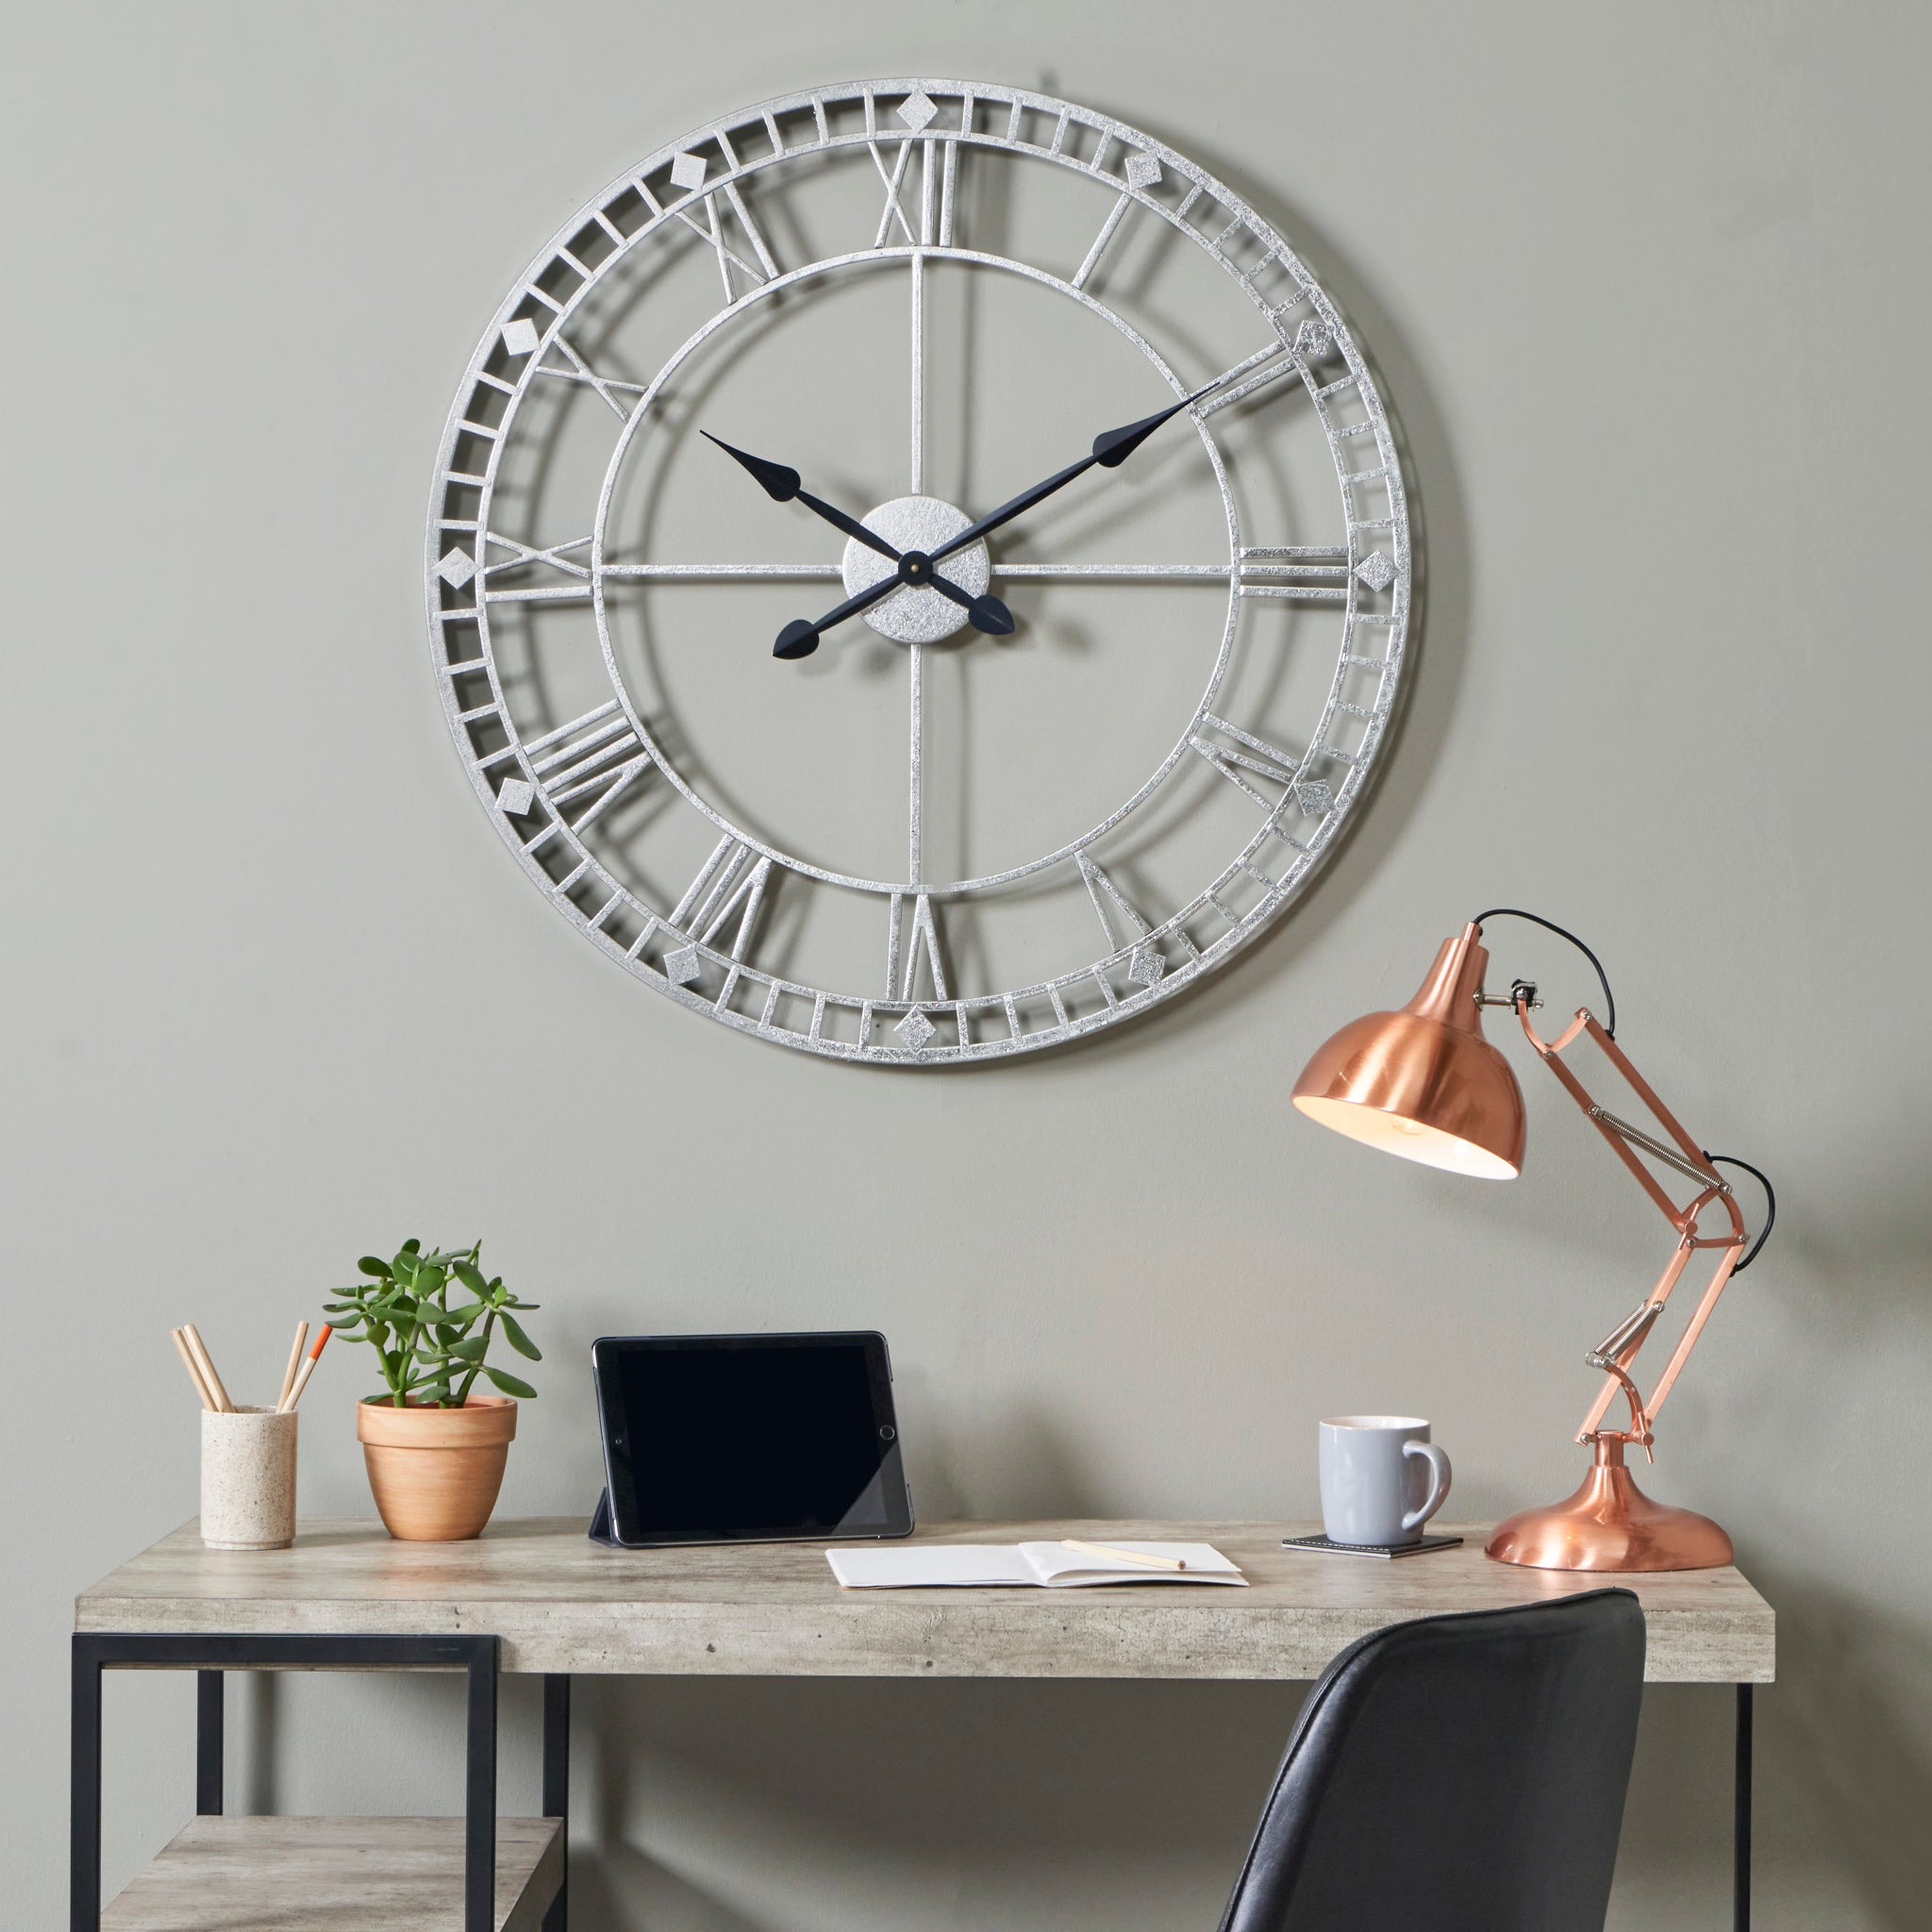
[247,1479]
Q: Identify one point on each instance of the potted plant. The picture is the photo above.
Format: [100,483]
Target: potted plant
[435,1452]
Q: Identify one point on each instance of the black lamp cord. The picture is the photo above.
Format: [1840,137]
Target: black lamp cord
[1770,1204]
[1550,926]
[1611,1027]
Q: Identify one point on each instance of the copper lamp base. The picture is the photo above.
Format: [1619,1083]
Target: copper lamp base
[1609,1523]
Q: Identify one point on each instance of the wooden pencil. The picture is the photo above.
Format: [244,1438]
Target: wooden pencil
[208,1368]
[1121,1556]
[295,1363]
[194,1368]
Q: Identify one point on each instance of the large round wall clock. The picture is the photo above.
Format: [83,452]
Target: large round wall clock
[919,572]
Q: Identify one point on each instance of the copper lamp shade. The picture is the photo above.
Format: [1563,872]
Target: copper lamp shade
[1423,1082]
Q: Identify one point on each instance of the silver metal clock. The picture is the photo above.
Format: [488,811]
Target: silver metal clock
[918,572]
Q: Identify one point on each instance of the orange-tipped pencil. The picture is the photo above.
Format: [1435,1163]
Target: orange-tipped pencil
[294,1395]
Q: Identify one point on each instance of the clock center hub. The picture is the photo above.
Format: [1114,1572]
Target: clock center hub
[915,526]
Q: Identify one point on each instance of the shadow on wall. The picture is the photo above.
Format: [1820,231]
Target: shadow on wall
[718,1806]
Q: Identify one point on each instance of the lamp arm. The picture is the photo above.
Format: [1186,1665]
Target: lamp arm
[1617,1351]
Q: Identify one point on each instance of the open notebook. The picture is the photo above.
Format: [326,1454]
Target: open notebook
[1047,1566]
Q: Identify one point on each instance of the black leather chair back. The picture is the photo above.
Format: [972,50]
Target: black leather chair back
[1459,1773]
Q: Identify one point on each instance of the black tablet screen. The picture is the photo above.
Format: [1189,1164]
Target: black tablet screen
[723,1437]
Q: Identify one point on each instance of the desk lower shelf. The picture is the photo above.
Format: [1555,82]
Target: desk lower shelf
[330,1874]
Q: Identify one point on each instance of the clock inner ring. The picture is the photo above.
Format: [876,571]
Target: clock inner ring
[917,524]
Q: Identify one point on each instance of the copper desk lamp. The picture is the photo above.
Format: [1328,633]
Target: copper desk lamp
[1426,1084]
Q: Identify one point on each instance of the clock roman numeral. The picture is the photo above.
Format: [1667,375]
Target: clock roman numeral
[1143,171]
[1124,927]
[1240,758]
[938,167]
[1266,365]
[908,942]
[732,879]
[581,768]
[576,370]
[734,237]
[893,178]
[569,581]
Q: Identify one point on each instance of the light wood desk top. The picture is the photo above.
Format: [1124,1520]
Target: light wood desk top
[561,1603]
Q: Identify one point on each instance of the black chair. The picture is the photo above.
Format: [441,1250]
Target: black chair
[1459,1773]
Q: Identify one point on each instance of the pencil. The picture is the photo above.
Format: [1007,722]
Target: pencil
[294,1395]
[194,1368]
[1121,1556]
[295,1363]
[205,1361]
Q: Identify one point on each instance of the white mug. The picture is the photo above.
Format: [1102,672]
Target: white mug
[1382,1479]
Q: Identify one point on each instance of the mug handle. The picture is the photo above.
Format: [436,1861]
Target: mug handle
[1439,1483]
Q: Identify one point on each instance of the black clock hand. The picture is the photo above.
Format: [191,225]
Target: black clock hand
[800,638]
[1111,448]
[781,483]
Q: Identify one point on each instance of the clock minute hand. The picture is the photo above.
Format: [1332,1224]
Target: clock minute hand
[1111,448]
[782,484]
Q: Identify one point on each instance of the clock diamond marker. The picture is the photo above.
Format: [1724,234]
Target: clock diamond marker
[917,110]
[1376,570]
[681,967]
[1143,171]
[456,568]
[1312,341]
[1314,797]
[1145,966]
[915,1029]
[688,171]
[520,337]
[513,797]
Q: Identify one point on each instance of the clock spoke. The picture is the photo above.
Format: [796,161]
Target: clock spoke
[725,573]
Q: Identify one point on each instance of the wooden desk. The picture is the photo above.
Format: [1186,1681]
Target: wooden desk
[536,1597]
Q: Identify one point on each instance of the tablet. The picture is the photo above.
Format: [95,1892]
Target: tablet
[722,1439]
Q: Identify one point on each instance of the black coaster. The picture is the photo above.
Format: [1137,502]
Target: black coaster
[1385,1551]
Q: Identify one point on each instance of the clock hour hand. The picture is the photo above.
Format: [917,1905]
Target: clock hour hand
[800,638]
[1111,448]
[781,483]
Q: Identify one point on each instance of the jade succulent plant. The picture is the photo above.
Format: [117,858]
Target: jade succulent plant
[431,1352]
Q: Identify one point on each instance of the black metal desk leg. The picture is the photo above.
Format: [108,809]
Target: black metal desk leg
[208,1743]
[84,1843]
[557,1786]
[1741,1877]
[479,1800]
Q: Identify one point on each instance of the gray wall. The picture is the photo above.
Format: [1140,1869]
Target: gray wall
[1647,285]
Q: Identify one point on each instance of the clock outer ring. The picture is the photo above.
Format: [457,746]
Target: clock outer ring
[1360,766]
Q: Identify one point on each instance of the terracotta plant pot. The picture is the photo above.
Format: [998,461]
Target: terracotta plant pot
[434,1471]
